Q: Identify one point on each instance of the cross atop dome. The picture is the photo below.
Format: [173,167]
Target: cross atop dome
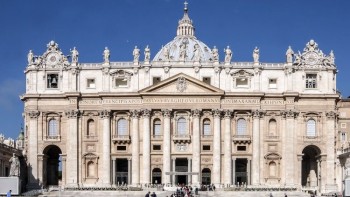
[185,27]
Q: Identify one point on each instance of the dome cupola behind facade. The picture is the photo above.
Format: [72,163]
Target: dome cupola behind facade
[185,27]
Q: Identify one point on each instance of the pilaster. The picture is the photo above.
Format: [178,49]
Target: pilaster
[106,148]
[135,141]
[33,150]
[256,148]
[196,146]
[228,148]
[146,155]
[166,147]
[217,148]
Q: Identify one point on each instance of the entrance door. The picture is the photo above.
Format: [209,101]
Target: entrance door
[156,176]
[181,165]
[51,165]
[122,171]
[241,171]
[206,176]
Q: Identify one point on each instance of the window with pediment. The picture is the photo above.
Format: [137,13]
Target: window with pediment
[53,128]
[121,78]
[206,127]
[311,128]
[242,79]
[241,127]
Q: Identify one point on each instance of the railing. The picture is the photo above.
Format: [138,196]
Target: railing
[311,138]
[204,137]
[90,137]
[242,139]
[121,139]
[273,137]
[157,137]
[181,138]
[53,138]
[181,168]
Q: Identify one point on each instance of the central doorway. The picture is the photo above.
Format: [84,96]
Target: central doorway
[122,171]
[241,171]
[181,165]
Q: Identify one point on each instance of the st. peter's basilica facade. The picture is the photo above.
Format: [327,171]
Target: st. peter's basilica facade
[182,117]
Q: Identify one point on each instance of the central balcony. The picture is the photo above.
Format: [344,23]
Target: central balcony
[182,138]
[242,139]
[121,139]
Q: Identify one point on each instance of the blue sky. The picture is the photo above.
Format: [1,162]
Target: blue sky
[90,25]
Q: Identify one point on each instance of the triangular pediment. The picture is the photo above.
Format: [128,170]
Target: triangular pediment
[181,84]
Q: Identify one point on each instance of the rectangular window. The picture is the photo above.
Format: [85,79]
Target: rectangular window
[206,80]
[90,83]
[273,83]
[343,137]
[157,147]
[241,82]
[241,148]
[206,147]
[156,80]
[121,148]
[52,81]
[121,82]
[311,81]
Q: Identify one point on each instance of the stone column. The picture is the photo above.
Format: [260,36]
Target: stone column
[129,171]
[256,149]
[166,147]
[227,149]
[173,176]
[234,171]
[64,168]
[189,165]
[299,168]
[217,149]
[105,178]
[114,170]
[33,150]
[135,141]
[331,157]
[290,155]
[146,155]
[248,172]
[72,147]
[196,147]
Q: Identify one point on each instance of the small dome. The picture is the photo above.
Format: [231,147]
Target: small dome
[185,46]
[21,135]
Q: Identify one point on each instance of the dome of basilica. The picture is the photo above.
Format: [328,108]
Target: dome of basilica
[185,46]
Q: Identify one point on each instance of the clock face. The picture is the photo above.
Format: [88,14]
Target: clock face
[52,58]
[311,58]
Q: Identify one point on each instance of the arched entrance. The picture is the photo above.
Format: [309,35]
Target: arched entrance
[309,168]
[156,176]
[206,176]
[52,168]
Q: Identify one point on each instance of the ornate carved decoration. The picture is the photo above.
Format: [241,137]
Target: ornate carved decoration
[135,113]
[258,113]
[331,115]
[181,84]
[121,74]
[289,113]
[227,113]
[313,57]
[72,113]
[146,113]
[217,113]
[33,114]
[196,113]
[166,69]
[105,70]
[166,113]
[104,114]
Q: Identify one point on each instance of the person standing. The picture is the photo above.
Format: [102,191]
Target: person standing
[8,194]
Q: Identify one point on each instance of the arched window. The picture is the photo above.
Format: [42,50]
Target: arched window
[272,169]
[241,127]
[156,127]
[91,128]
[90,169]
[311,128]
[206,127]
[181,126]
[272,127]
[122,127]
[53,128]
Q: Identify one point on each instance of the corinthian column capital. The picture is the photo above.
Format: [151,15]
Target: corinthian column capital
[72,113]
[104,113]
[33,114]
[135,113]
[227,113]
[166,113]
[216,112]
[196,113]
[331,115]
[146,113]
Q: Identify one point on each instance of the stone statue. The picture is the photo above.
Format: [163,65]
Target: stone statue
[215,53]
[166,54]
[106,55]
[30,57]
[15,166]
[196,53]
[228,54]
[147,54]
[289,54]
[183,53]
[331,56]
[256,55]
[75,55]
[136,54]
[311,46]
